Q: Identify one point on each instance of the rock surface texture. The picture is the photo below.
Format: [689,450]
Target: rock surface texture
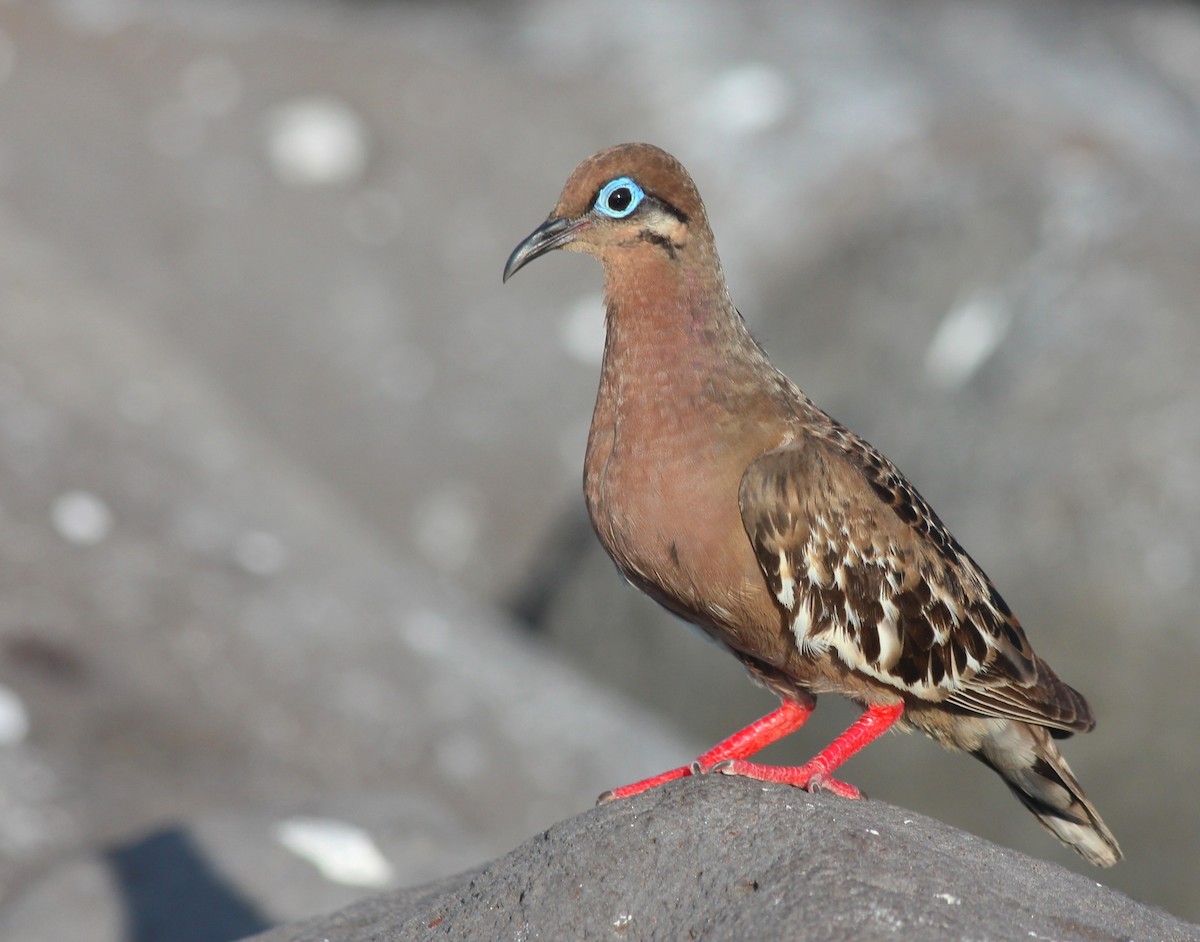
[708,860]
[280,459]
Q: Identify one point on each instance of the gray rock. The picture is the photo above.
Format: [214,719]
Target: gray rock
[192,623]
[329,444]
[154,668]
[718,859]
[227,875]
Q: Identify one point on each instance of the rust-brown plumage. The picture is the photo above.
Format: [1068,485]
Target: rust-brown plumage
[723,492]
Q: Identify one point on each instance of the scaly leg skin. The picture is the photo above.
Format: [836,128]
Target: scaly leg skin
[788,718]
[814,774]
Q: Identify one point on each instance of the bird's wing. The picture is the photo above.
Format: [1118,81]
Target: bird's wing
[868,571]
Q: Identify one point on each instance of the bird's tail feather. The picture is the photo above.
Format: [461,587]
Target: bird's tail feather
[1030,764]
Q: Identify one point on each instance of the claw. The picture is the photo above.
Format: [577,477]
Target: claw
[823,783]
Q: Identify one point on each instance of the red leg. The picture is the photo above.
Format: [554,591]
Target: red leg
[788,718]
[814,774]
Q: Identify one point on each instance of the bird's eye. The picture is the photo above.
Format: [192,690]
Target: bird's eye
[619,198]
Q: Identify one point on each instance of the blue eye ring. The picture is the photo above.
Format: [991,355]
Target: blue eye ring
[618,198]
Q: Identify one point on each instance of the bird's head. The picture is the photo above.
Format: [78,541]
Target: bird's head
[632,198]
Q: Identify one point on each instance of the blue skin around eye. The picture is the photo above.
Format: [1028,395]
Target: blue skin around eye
[635,192]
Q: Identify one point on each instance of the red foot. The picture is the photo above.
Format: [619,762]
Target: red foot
[788,718]
[814,774]
[625,791]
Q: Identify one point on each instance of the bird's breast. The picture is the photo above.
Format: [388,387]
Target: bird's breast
[661,485]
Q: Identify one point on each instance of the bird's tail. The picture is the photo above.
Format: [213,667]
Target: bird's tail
[1030,764]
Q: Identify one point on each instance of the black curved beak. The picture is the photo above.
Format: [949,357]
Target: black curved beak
[554,233]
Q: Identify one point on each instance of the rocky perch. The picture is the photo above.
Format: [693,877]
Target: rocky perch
[719,858]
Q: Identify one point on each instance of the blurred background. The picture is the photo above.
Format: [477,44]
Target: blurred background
[297,596]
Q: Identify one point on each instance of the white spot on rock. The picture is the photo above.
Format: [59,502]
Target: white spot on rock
[260,553]
[81,517]
[316,141]
[745,99]
[343,853]
[582,330]
[14,718]
[948,899]
[967,336]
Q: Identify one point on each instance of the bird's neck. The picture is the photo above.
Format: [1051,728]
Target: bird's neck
[672,329]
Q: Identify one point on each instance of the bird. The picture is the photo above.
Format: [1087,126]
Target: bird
[723,492]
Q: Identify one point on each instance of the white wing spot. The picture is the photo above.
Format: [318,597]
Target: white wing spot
[787,582]
[802,624]
[889,644]
[891,613]
[342,852]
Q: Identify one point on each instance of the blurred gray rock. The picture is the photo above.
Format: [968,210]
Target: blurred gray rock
[708,859]
[190,623]
[236,873]
[276,446]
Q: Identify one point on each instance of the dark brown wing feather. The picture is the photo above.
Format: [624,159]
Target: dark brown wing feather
[869,572]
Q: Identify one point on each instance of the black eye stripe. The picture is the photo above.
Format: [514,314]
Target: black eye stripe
[668,209]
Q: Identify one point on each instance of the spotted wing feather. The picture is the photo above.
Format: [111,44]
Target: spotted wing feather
[870,574]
